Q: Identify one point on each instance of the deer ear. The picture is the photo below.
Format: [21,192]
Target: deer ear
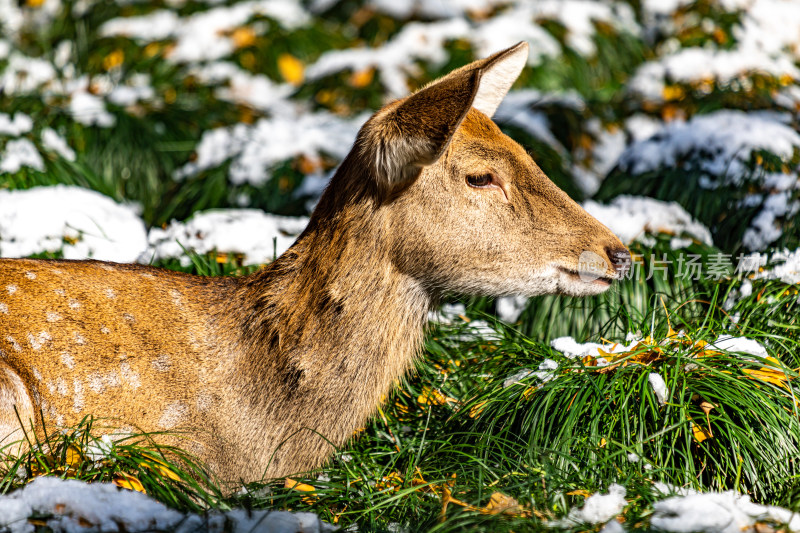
[414,132]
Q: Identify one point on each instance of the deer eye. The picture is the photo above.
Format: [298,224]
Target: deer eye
[480,180]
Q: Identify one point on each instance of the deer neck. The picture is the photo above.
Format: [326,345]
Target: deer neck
[333,316]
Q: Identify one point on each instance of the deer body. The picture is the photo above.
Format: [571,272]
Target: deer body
[258,369]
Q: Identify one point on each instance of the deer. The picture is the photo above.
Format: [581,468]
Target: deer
[267,374]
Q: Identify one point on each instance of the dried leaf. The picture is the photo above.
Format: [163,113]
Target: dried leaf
[502,503]
[431,396]
[128,481]
[477,409]
[700,433]
[579,492]
[74,456]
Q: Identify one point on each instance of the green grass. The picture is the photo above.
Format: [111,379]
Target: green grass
[452,426]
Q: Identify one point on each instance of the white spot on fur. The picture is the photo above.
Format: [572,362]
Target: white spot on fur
[36,373]
[173,415]
[14,344]
[104,330]
[51,387]
[129,375]
[177,298]
[74,304]
[67,359]
[3,308]
[161,363]
[95,382]
[30,275]
[39,340]
[61,386]
[52,316]
[147,275]
[79,339]
[110,293]
[204,401]
[11,289]
[77,400]
[60,292]
[57,271]
[107,267]
[99,382]
[129,317]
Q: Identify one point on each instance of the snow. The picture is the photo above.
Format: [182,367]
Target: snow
[469,330]
[696,65]
[509,308]
[785,265]
[739,344]
[136,89]
[394,60]
[206,35]
[511,27]
[659,387]
[597,509]
[25,75]
[20,153]
[522,109]
[254,90]
[54,142]
[90,110]
[579,18]
[70,506]
[257,235]
[79,222]
[631,218]
[15,125]
[716,512]
[725,139]
[544,373]
[575,350]
[255,149]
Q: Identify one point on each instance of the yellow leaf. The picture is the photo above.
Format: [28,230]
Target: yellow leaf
[361,78]
[74,456]
[34,3]
[477,409]
[392,481]
[290,483]
[114,59]
[603,442]
[301,487]
[431,396]
[243,37]
[501,503]
[128,481]
[673,92]
[700,433]
[579,492]
[159,466]
[292,69]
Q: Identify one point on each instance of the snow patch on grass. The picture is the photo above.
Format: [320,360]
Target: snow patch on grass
[255,149]
[71,505]
[258,236]
[79,222]
[632,218]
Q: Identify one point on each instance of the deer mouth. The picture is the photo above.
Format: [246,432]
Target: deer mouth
[587,277]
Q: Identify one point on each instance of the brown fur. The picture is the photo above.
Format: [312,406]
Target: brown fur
[261,368]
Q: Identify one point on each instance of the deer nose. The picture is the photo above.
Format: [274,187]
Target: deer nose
[620,259]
